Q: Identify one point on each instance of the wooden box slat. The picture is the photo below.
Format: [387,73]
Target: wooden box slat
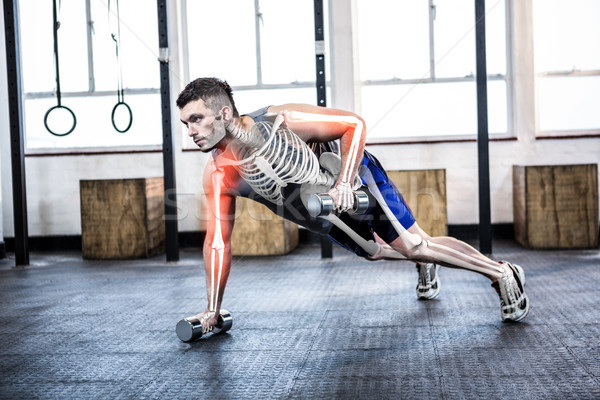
[122,218]
[556,206]
[425,193]
[258,231]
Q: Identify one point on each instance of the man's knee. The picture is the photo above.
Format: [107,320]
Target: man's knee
[410,245]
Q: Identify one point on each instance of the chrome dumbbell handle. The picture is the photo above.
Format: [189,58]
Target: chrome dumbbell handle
[320,205]
[190,329]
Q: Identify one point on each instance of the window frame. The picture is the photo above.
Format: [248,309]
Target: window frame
[90,92]
[182,48]
[432,79]
[564,133]
[259,85]
[573,73]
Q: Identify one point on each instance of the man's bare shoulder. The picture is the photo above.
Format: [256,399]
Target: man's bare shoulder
[231,178]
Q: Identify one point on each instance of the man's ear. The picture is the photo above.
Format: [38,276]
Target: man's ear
[227,113]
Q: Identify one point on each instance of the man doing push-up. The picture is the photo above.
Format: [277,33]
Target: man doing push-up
[277,156]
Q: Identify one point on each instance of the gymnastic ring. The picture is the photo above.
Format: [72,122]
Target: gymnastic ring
[50,130]
[113,117]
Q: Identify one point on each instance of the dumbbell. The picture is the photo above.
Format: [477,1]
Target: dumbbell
[190,329]
[319,205]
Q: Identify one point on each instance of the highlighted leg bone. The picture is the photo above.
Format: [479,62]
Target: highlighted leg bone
[376,251]
[428,251]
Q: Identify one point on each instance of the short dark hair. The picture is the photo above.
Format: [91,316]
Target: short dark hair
[213,91]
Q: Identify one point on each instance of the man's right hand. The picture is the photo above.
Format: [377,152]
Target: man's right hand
[208,319]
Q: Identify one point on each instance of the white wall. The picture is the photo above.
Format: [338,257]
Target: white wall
[460,159]
[460,162]
[53,181]
[53,204]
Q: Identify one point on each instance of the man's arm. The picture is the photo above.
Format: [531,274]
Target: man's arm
[217,243]
[320,124]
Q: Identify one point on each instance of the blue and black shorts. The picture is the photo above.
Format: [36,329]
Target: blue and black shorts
[375,219]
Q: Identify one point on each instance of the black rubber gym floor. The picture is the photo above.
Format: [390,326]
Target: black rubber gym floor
[303,328]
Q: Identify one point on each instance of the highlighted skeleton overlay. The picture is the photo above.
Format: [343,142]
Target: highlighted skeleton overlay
[270,156]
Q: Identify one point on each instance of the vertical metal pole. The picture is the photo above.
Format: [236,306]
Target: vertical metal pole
[320,54]
[432,12]
[485,224]
[257,24]
[326,246]
[90,46]
[171,228]
[15,103]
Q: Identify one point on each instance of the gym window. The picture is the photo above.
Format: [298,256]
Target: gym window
[88,74]
[417,68]
[567,65]
[266,52]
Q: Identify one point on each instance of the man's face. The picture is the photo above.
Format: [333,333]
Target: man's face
[204,127]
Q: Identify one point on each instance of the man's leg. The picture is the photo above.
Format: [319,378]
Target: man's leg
[507,279]
[416,245]
[446,251]
[407,238]
[358,237]
[428,282]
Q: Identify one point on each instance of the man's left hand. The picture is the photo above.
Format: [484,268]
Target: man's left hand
[343,197]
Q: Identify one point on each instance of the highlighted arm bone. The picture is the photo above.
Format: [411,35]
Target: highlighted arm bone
[352,147]
[217,258]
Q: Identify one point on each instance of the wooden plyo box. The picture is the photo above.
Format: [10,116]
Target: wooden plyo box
[122,218]
[259,232]
[425,192]
[556,206]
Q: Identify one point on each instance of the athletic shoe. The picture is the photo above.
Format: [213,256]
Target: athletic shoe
[429,284]
[514,302]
